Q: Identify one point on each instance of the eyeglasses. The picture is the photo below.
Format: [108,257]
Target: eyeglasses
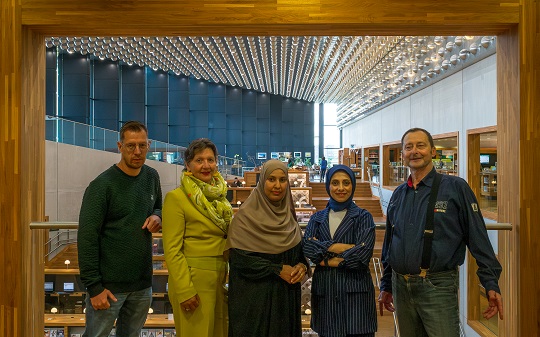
[131,147]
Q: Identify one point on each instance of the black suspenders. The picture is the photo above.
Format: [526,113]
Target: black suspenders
[428,229]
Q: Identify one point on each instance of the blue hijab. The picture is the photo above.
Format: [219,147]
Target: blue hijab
[332,204]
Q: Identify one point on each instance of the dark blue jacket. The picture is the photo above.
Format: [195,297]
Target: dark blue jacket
[343,298]
[457,223]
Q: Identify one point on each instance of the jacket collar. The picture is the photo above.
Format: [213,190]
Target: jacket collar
[322,216]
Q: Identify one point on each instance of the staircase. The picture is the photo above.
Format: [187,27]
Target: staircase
[69,252]
[362,197]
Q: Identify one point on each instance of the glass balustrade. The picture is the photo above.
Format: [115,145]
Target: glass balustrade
[69,132]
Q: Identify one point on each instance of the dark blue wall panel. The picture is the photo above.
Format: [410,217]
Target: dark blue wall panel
[217,104]
[217,120]
[75,88]
[217,90]
[157,104]
[157,115]
[133,94]
[133,112]
[198,108]
[234,122]
[106,94]
[179,116]
[179,135]
[106,89]
[158,132]
[249,123]
[178,109]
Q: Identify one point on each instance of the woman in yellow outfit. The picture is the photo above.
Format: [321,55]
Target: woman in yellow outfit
[196,218]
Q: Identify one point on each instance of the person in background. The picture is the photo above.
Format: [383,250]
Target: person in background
[196,218]
[237,182]
[266,260]
[340,240]
[324,165]
[426,298]
[120,210]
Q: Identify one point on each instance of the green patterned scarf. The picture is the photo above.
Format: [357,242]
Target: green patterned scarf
[209,199]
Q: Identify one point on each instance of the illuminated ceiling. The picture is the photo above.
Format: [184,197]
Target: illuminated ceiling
[358,73]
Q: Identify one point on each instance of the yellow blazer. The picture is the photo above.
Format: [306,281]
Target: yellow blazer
[189,240]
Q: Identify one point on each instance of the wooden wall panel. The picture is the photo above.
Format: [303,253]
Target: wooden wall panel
[22,131]
[32,181]
[473,153]
[270,17]
[528,118]
[508,188]
[11,238]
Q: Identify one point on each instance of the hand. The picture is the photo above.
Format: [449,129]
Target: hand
[101,301]
[339,248]
[286,273]
[152,223]
[386,300]
[191,304]
[332,262]
[299,271]
[495,305]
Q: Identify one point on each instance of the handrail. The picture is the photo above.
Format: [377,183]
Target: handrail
[54,225]
[503,226]
[379,189]
[105,140]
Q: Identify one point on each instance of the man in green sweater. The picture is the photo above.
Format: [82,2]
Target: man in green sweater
[120,210]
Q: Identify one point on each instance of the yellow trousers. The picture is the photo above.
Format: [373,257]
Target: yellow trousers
[210,319]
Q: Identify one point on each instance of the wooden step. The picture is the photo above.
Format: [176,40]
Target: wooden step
[362,190]
[372,205]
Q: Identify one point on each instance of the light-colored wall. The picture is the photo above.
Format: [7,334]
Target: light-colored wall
[69,169]
[466,100]
[463,101]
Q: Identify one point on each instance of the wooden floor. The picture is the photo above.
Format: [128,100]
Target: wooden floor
[385,328]
[386,325]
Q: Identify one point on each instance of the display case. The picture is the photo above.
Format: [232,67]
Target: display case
[488,184]
[251,178]
[398,174]
[298,178]
[371,163]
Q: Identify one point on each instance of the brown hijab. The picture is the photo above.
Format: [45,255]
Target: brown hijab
[261,225]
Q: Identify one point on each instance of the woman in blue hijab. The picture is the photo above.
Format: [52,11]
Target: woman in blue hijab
[339,240]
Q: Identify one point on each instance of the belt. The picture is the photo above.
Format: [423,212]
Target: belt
[423,274]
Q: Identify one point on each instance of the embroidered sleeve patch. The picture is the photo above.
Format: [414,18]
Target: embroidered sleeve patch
[474,206]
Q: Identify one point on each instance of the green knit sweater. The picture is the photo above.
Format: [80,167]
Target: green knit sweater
[114,251]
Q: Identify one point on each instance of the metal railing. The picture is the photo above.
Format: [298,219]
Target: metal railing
[377,265]
[66,131]
[383,202]
[501,226]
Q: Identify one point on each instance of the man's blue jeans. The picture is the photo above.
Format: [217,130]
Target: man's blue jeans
[129,311]
[427,306]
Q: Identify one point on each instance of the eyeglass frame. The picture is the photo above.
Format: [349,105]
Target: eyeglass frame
[131,147]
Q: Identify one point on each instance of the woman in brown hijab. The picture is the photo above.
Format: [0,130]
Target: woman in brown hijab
[266,260]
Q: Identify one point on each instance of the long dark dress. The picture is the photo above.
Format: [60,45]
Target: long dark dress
[261,304]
